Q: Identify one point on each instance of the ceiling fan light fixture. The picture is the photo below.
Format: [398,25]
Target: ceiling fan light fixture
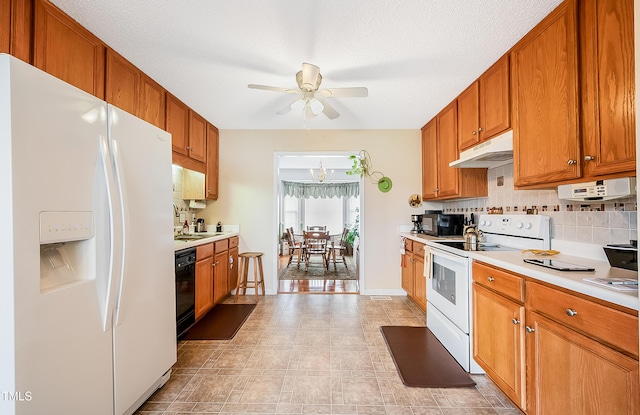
[316,106]
[298,105]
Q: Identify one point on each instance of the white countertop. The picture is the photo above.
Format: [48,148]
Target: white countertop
[512,261]
[207,237]
[422,238]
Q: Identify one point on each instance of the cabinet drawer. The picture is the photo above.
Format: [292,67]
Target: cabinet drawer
[233,242]
[203,251]
[418,249]
[501,281]
[408,245]
[612,326]
[222,245]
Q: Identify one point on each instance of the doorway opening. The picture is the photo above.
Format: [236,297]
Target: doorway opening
[314,193]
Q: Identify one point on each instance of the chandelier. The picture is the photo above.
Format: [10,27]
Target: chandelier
[322,174]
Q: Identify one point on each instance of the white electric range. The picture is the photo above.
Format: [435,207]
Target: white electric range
[449,279]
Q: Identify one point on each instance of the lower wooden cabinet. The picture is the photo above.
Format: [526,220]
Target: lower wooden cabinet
[204,279]
[413,280]
[554,351]
[498,341]
[569,373]
[233,267]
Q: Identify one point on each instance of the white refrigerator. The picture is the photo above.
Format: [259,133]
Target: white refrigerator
[87,290]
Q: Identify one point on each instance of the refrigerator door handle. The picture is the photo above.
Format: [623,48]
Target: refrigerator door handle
[109,289]
[120,226]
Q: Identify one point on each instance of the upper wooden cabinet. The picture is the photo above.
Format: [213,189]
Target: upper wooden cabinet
[151,104]
[122,83]
[565,130]
[5,25]
[68,51]
[430,160]
[16,17]
[483,108]
[439,148]
[544,63]
[211,179]
[197,137]
[608,87]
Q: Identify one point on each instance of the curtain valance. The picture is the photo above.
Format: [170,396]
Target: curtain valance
[321,190]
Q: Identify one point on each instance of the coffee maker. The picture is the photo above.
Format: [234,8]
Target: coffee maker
[417,223]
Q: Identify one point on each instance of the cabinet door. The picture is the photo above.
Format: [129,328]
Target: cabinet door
[68,51]
[419,281]
[568,373]
[220,276]
[5,25]
[546,145]
[197,136]
[430,160]
[211,180]
[468,117]
[122,84]
[407,273]
[177,123]
[152,103]
[448,183]
[233,268]
[204,287]
[495,107]
[608,87]
[498,341]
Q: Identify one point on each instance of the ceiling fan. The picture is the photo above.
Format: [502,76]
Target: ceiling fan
[310,99]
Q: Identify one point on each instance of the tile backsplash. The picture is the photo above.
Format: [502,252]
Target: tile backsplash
[599,223]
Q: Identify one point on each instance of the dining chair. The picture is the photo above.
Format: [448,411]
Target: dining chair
[317,228]
[315,243]
[293,247]
[341,248]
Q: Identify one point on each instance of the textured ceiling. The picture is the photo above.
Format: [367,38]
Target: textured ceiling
[414,56]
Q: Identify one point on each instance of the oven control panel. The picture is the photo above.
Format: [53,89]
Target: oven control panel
[528,226]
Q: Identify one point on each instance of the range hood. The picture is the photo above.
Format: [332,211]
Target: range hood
[598,190]
[492,153]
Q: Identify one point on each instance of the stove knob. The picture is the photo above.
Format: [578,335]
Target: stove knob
[519,225]
[488,223]
[527,225]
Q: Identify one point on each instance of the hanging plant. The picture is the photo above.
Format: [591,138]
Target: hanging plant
[362,167]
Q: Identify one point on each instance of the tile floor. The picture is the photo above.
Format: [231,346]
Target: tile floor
[311,354]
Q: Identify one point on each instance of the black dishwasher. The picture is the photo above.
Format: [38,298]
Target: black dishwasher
[185,290]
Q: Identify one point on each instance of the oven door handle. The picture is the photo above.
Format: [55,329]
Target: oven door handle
[447,255]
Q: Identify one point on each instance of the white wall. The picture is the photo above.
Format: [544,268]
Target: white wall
[247,193]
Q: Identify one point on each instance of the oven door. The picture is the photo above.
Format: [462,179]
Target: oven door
[449,285]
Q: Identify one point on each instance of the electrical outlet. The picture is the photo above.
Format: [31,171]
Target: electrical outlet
[183,217]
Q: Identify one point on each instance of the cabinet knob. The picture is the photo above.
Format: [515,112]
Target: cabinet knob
[193,149]
[473,133]
[589,158]
[515,321]
[529,329]
[571,162]
[188,148]
[436,190]
[480,129]
[491,279]
[570,312]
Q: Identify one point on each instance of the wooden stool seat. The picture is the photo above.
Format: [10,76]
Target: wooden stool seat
[258,275]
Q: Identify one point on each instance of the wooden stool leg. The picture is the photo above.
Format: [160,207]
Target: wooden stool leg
[261,276]
[241,271]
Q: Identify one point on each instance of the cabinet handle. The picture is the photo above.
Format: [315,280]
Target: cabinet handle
[571,162]
[193,149]
[515,321]
[188,148]
[570,312]
[435,190]
[529,329]
[491,279]
[589,158]
[473,133]
[480,129]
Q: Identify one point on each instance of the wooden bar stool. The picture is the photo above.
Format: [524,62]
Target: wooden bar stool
[258,276]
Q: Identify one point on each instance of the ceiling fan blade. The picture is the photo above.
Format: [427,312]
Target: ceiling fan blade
[328,110]
[310,74]
[273,88]
[358,91]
